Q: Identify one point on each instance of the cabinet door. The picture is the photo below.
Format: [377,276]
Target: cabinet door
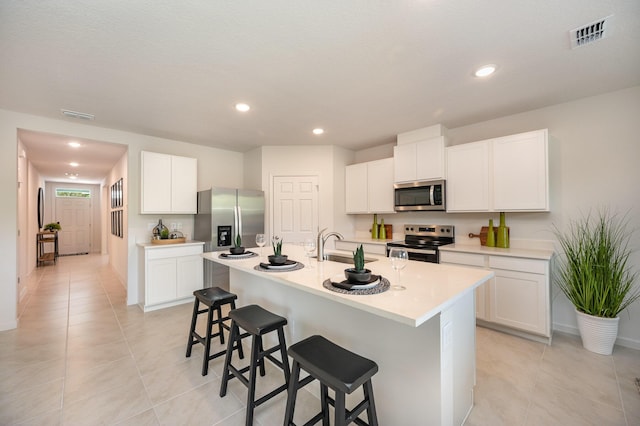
[184,185]
[404,159]
[380,186]
[189,275]
[471,261]
[468,177]
[155,180]
[356,188]
[520,172]
[160,281]
[518,300]
[430,159]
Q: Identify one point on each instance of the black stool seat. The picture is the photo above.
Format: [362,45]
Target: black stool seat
[257,322]
[337,368]
[214,298]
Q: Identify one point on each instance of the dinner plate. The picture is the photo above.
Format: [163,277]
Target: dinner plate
[286,265]
[237,256]
[340,282]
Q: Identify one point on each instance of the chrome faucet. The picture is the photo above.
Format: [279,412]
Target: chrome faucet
[322,239]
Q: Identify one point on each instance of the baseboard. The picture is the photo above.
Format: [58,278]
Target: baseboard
[621,341]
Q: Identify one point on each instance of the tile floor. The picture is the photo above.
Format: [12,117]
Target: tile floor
[81,357]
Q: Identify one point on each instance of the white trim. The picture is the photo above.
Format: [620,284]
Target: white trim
[621,341]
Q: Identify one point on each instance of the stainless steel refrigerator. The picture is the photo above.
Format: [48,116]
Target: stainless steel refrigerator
[222,214]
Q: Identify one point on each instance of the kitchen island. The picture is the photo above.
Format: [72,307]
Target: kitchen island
[422,338]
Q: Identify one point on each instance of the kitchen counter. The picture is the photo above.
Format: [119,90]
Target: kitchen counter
[423,338]
[150,245]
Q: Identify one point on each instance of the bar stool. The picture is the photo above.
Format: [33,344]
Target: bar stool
[257,322]
[336,368]
[214,298]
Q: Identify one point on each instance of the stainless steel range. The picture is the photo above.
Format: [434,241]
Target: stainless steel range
[422,241]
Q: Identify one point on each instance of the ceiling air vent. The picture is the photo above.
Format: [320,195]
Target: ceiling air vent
[79,115]
[589,33]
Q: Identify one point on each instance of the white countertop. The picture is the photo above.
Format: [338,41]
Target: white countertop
[543,254]
[430,288]
[149,245]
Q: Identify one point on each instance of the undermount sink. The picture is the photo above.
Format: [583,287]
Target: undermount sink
[343,259]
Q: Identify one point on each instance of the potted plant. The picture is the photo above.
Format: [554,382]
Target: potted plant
[277,258]
[358,274]
[53,226]
[594,274]
[237,248]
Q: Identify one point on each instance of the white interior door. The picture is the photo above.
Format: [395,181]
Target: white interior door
[295,207]
[74,215]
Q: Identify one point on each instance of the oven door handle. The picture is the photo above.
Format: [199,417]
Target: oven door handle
[419,251]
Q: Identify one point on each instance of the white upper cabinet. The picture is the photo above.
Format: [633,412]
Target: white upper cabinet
[416,161]
[168,183]
[369,187]
[504,174]
[520,172]
[468,177]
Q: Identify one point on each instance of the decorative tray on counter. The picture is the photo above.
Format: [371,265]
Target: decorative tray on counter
[247,254]
[169,241]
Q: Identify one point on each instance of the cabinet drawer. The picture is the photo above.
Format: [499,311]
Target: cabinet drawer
[518,264]
[462,258]
[166,252]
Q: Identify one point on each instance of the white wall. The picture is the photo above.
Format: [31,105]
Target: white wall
[327,162]
[117,247]
[594,153]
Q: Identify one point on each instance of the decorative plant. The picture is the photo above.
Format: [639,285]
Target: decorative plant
[53,226]
[277,246]
[358,259]
[164,234]
[594,273]
[238,242]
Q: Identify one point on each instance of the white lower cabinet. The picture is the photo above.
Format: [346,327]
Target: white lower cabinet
[170,275]
[517,299]
[369,248]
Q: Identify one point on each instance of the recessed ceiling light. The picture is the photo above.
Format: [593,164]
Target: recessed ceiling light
[74,144]
[73,164]
[243,107]
[485,70]
[318,131]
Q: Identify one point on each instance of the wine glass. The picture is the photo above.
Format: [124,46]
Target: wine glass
[260,241]
[399,258]
[309,247]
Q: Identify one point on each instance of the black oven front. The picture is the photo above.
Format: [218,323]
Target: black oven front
[419,254]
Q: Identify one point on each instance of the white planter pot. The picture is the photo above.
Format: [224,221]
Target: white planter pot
[598,334]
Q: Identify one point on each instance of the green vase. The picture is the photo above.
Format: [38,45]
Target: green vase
[374,228]
[383,232]
[503,233]
[491,235]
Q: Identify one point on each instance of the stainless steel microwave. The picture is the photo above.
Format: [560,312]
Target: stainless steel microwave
[419,196]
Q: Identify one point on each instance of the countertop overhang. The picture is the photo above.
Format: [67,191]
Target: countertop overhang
[430,288]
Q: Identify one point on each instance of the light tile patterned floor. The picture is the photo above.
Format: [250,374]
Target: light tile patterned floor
[81,357]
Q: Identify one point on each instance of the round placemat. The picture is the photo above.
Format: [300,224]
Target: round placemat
[295,268]
[243,256]
[380,288]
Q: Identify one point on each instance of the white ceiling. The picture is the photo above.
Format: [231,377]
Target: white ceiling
[363,70]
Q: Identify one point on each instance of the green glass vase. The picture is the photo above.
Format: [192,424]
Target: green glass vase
[383,231]
[503,233]
[374,228]
[491,235]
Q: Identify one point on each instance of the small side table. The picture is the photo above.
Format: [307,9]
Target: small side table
[46,247]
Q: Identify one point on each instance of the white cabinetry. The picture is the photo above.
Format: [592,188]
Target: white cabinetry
[369,187]
[416,161]
[169,184]
[170,274]
[517,299]
[502,174]
[468,177]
